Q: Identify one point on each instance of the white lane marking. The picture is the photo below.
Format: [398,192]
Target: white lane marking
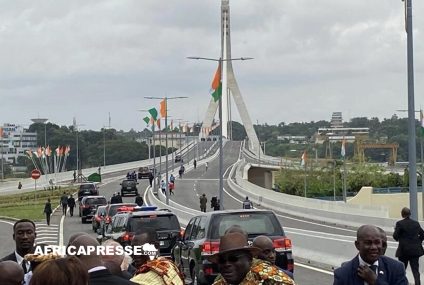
[314,268]
[61,231]
[7,222]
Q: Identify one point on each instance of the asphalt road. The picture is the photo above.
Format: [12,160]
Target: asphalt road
[193,184]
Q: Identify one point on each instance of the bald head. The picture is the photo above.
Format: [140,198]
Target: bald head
[11,273]
[262,242]
[266,246]
[89,259]
[74,236]
[114,256]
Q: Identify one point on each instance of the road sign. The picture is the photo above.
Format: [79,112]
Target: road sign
[35,174]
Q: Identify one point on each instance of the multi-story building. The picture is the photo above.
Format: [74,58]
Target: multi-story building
[14,141]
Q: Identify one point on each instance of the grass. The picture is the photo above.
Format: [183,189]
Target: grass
[30,205]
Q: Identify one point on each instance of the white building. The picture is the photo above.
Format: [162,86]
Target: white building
[15,141]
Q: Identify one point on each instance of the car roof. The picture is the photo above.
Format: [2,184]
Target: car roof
[93,196]
[239,211]
[150,213]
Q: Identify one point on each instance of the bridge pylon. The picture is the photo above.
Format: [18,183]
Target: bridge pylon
[230,89]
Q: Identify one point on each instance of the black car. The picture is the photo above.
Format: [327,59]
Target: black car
[203,232]
[88,206]
[178,158]
[129,186]
[110,211]
[129,220]
[87,189]
[144,172]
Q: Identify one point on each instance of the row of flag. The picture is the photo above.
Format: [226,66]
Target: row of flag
[342,153]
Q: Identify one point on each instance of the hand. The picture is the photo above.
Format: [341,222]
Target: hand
[367,274]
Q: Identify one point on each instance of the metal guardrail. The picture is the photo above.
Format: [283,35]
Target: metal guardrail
[391,190]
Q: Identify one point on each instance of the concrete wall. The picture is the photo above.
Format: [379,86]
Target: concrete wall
[262,177]
[393,201]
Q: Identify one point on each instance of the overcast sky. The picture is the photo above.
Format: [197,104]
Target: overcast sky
[62,59]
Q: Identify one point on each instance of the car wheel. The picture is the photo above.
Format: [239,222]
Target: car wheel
[193,277]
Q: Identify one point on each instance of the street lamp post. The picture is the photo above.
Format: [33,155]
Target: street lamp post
[166,139]
[221,157]
[411,116]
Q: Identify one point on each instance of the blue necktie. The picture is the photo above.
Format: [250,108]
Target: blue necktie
[374,268]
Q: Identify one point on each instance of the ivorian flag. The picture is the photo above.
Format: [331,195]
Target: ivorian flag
[216,89]
[163,108]
[147,120]
[343,150]
[158,123]
[303,159]
[422,122]
[154,113]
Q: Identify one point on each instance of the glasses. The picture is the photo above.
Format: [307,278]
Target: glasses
[230,258]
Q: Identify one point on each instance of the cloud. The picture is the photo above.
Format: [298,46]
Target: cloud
[86,58]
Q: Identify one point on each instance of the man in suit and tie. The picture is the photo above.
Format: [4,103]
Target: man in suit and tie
[24,236]
[410,236]
[369,267]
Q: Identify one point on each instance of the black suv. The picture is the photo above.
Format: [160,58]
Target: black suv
[87,189]
[129,220]
[88,206]
[202,234]
[144,172]
[129,186]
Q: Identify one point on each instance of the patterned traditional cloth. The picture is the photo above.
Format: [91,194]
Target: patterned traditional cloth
[261,272]
[160,271]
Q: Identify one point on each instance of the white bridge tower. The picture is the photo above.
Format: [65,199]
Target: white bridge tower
[230,89]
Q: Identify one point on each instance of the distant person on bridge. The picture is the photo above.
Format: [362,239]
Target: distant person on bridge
[71,205]
[410,236]
[19,185]
[369,265]
[163,187]
[206,166]
[203,202]
[151,177]
[64,203]
[181,171]
[75,176]
[139,200]
[195,164]
[247,204]
[48,210]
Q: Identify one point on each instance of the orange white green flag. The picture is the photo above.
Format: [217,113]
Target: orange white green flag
[216,89]
[303,161]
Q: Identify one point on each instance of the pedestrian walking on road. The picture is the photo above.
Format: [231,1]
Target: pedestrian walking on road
[206,166]
[19,185]
[203,202]
[151,177]
[195,164]
[48,210]
[410,236]
[139,200]
[247,204]
[75,176]
[163,187]
[64,203]
[71,205]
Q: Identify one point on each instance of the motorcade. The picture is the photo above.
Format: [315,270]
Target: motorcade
[203,232]
[111,210]
[129,220]
[144,172]
[129,186]
[87,189]
[88,206]
[98,217]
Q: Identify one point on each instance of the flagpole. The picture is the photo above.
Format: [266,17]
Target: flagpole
[334,180]
[422,172]
[305,179]
[154,158]
[344,179]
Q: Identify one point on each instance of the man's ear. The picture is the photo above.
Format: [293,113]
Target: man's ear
[357,244]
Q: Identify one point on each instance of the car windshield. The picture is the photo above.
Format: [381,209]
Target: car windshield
[126,183]
[114,208]
[144,169]
[163,222]
[101,210]
[253,223]
[96,201]
[87,187]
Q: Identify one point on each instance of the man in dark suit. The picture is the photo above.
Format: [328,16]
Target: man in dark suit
[369,266]
[410,236]
[24,236]
[98,273]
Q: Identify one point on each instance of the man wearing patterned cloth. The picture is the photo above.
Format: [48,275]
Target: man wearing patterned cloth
[152,269]
[235,264]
